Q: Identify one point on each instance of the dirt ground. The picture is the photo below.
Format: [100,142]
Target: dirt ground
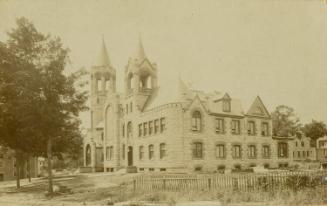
[99,189]
[86,189]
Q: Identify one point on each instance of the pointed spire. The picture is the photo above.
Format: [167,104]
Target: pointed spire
[103,58]
[140,55]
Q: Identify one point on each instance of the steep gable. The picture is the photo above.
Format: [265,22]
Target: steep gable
[258,109]
[197,104]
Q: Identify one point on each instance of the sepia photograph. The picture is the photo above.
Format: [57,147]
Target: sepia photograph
[163,102]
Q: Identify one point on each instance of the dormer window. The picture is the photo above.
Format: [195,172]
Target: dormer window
[226,105]
[196,121]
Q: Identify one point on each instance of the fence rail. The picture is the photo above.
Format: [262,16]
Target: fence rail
[250,181]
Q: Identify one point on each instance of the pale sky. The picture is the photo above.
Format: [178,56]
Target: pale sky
[272,48]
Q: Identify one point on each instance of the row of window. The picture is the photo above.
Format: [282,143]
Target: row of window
[296,144]
[235,125]
[152,127]
[106,85]
[305,154]
[162,151]
[129,108]
[236,151]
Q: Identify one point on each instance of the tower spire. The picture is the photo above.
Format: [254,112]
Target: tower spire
[140,55]
[103,57]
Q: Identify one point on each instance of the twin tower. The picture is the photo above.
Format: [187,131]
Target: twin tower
[140,79]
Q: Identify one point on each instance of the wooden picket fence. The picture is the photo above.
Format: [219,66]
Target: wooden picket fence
[244,182]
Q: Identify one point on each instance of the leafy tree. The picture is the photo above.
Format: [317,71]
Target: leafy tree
[285,122]
[18,92]
[315,130]
[57,99]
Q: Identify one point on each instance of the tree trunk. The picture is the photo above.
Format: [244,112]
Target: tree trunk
[49,154]
[29,168]
[17,168]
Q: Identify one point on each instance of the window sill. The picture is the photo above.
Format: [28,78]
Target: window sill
[197,158]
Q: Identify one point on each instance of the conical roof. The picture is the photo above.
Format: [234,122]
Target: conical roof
[103,57]
[140,53]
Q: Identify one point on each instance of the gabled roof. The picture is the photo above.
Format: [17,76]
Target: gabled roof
[258,109]
[226,96]
[103,57]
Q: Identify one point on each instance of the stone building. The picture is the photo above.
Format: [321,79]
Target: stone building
[172,127]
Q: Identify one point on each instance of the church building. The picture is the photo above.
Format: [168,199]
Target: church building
[172,127]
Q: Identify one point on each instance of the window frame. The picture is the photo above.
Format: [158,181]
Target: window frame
[151,151]
[196,121]
[141,152]
[237,154]
[282,149]
[140,126]
[220,146]
[145,128]
[251,128]
[162,124]
[263,132]
[197,150]
[220,125]
[237,125]
[150,125]
[156,126]
[252,151]
[162,150]
[264,151]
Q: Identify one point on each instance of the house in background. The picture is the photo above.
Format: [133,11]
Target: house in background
[8,166]
[322,151]
[302,149]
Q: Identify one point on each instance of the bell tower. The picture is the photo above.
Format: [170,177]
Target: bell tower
[140,78]
[103,82]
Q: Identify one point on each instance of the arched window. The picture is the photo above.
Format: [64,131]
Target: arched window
[130,81]
[88,155]
[129,129]
[145,82]
[196,121]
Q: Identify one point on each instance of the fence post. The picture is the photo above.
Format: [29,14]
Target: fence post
[164,184]
[134,185]
[209,183]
